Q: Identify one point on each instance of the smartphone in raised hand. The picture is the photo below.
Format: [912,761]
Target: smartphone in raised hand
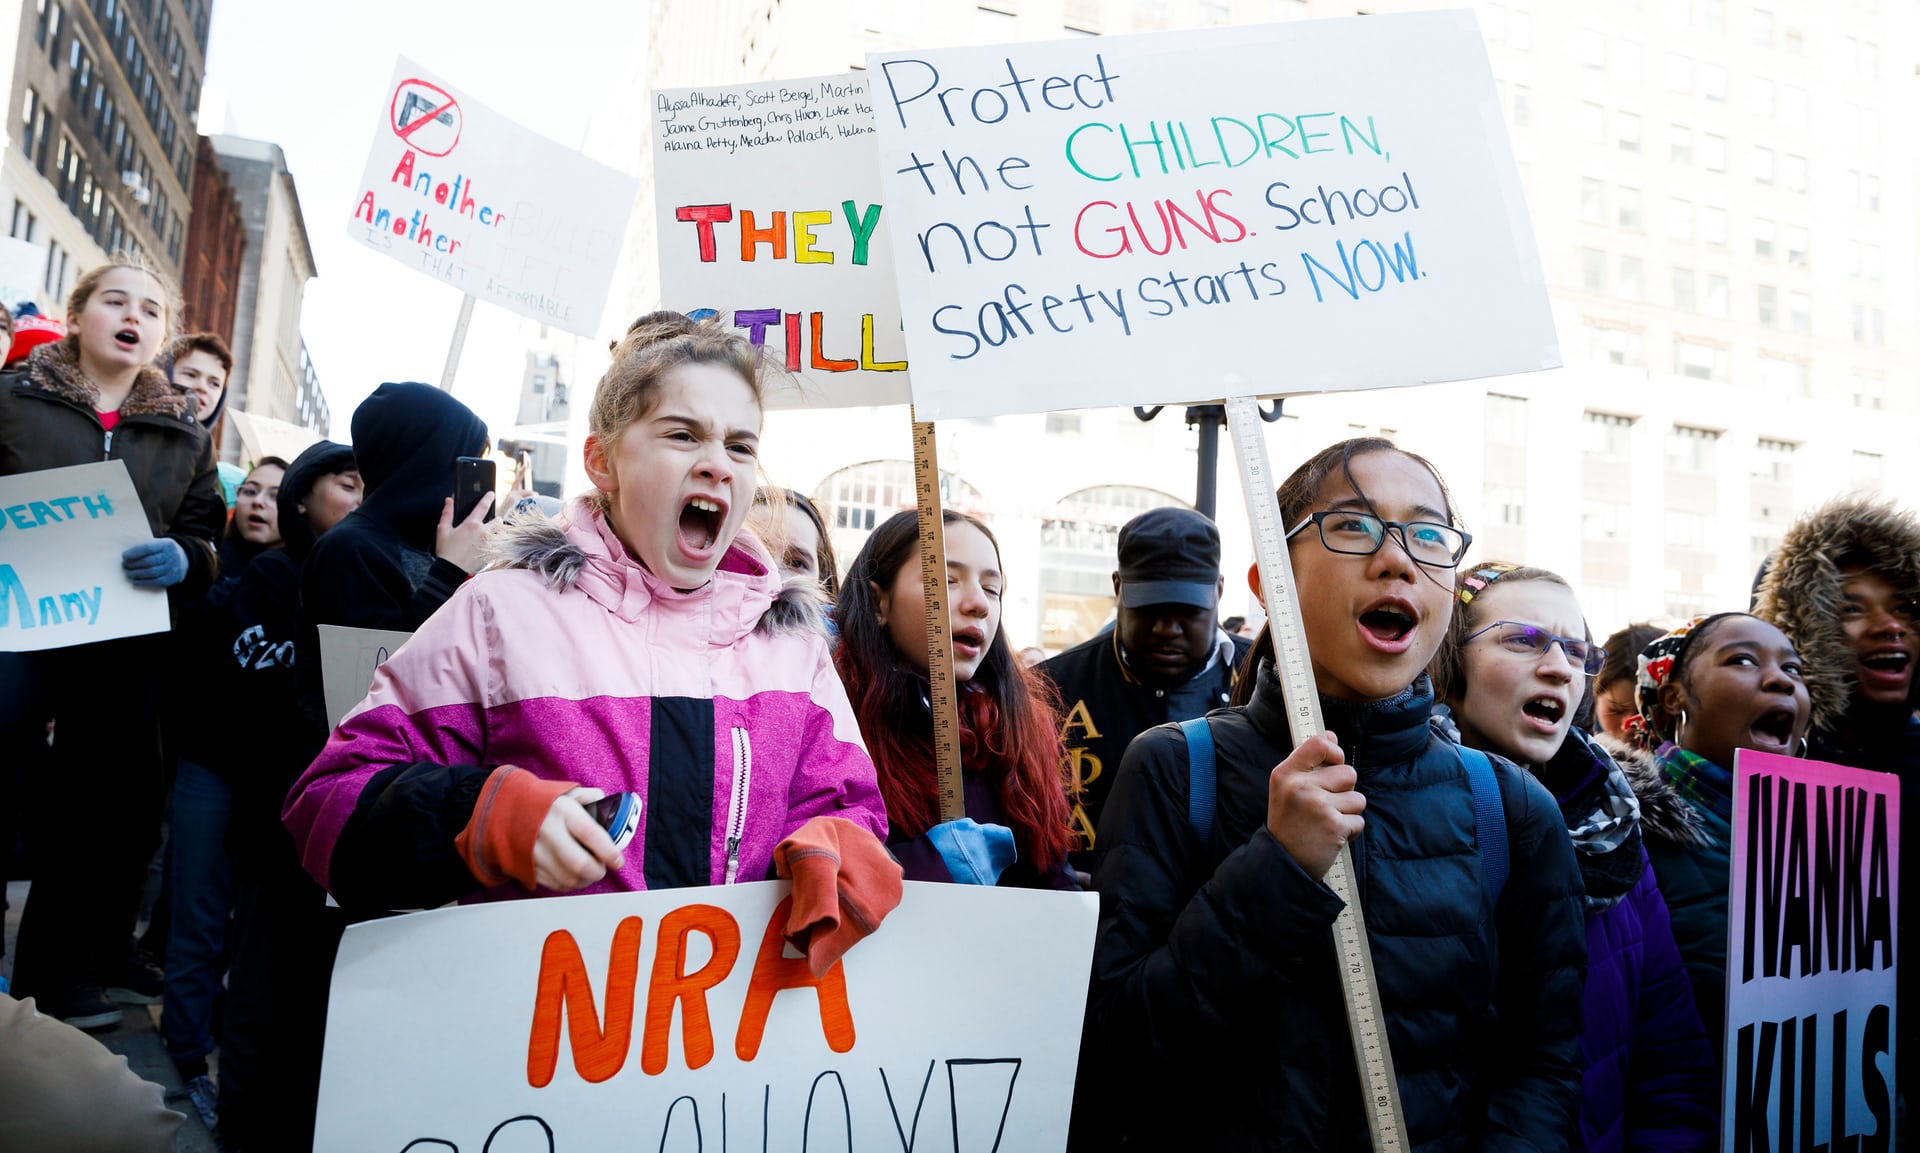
[473,478]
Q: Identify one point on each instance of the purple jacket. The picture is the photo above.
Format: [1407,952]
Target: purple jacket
[1649,1075]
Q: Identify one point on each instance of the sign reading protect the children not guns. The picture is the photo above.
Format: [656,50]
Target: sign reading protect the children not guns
[1813,941]
[61,535]
[679,1020]
[769,206]
[1321,205]
[458,192]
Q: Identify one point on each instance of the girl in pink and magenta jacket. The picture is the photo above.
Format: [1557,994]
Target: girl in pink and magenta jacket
[638,644]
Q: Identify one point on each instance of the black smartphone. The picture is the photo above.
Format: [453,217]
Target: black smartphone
[619,815]
[473,478]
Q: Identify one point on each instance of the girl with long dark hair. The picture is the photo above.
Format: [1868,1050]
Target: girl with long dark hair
[1010,746]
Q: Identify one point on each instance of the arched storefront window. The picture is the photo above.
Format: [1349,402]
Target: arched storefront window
[1079,549]
[854,500]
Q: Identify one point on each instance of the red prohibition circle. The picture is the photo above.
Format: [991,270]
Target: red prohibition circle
[447,103]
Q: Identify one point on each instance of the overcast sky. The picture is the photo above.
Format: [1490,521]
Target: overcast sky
[312,78]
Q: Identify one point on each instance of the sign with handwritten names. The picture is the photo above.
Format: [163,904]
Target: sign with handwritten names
[770,212]
[680,1020]
[458,192]
[61,535]
[1314,206]
[1813,928]
[23,268]
[348,659]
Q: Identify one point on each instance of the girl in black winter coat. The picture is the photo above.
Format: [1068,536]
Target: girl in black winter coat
[1215,1019]
[91,397]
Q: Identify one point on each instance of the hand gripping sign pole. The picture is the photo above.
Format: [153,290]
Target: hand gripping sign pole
[933,577]
[1385,1124]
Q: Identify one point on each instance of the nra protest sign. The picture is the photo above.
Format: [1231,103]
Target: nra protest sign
[458,192]
[62,531]
[1321,205]
[677,1020]
[769,205]
[1813,918]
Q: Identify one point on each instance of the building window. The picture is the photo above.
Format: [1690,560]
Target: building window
[1679,219]
[1763,237]
[1593,270]
[1683,298]
[1679,73]
[1506,419]
[1593,122]
[1620,346]
[1713,226]
[1627,210]
[1607,436]
[1603,520]
[33,129]
[1713,152]
[1767,300]
[1773,460]
[1718,303]
[1590,48]
[1522,106]
[1699,361]
[1762,164]
[1632,278]
[1691,449]
[1800,312]
[1679,144]
[1593,200]
[1869,325]
[1713,82]
[1507,506]
[1869,391]
[1626,127]
[23,222]
[1688,529]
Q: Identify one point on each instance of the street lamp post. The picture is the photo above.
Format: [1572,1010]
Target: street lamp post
[1211,418]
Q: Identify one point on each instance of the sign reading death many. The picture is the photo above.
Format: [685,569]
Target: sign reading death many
[1320,205]
[681,1020]
[458,192]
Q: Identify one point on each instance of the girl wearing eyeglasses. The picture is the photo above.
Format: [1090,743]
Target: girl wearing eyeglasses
[1215,1019]
[1515,675]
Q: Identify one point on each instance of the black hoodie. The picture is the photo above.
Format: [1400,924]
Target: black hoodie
[376,568]
[246,640]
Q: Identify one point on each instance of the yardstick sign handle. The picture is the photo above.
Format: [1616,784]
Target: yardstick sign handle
[1385,1123]
[933,576]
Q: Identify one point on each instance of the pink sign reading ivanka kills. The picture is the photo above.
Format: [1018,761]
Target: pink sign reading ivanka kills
[1813,926]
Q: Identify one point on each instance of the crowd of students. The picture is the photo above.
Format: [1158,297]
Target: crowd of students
[682,632]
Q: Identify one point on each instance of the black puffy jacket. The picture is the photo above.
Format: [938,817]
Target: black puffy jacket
[1215,1019]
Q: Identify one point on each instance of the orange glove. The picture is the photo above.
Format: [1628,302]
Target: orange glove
[497,843]
[844,884]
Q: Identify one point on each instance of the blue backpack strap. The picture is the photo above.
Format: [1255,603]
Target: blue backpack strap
[1489,818]
[1199,735]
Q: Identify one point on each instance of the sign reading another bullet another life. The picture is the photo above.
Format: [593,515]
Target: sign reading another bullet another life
[458,192]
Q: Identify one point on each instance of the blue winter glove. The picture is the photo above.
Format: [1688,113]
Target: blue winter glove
[974,854]
[155,564]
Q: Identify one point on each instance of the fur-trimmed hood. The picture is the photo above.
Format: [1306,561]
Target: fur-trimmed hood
[1800,592]
[55,368]
[579,549]
[1664,813]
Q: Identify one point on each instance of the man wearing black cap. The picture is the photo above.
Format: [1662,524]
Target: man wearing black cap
[1164,659]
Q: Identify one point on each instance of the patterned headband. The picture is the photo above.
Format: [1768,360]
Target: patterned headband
[1474,583]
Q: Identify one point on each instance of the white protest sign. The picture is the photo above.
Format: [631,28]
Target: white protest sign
[667,1020]
[61,535]
[348,658]
[770,211]
[263,436]
[1321,205]
[1813,927]
[460,193]
[23,268]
